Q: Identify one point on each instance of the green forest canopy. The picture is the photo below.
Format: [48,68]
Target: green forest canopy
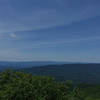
[17,85]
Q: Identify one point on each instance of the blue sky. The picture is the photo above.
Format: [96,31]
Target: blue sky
[50,30]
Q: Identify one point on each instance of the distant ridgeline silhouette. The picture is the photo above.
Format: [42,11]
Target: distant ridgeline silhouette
[27,64]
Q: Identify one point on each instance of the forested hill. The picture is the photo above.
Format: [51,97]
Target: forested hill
[88,73]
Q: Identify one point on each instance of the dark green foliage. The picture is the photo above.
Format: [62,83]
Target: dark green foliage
[21,86]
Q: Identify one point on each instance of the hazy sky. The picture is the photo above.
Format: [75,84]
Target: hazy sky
[50,30]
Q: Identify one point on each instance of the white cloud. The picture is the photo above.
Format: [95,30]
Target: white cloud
[48,18]
[12,35]
[58,43]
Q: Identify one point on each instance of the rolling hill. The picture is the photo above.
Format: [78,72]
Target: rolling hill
[86,73]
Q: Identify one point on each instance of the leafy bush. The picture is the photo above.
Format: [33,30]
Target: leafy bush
[21,86]
[17,85]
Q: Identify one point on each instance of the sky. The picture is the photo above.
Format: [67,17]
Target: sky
[50,30]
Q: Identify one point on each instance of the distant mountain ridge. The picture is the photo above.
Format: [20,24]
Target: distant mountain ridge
[27,64]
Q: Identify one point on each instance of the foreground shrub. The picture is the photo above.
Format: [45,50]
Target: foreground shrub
[21,86]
